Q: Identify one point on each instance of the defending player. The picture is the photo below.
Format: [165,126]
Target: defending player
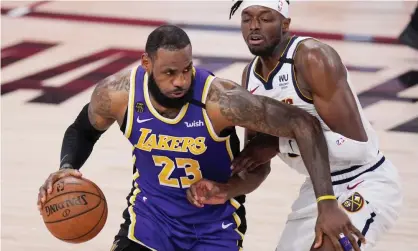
[308,74]
[180,121]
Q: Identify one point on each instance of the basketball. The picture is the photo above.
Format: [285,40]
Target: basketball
[75,211]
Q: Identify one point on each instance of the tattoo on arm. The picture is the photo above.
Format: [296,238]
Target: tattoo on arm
[238,107]
[241,108]
[108,98]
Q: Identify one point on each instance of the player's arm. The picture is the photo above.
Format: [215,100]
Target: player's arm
[210,192]
[321,71]
[231,105]
[320,68]
[107,105]
[246,182]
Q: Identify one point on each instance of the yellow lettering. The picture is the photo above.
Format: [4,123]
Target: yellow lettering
[151,143]
[163,142]
[175,143]
[141,140]
[191,168]
[187,144]
[168,168]
[148,142]
[199,146]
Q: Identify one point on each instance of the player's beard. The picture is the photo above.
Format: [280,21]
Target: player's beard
[266,51]
[165,101]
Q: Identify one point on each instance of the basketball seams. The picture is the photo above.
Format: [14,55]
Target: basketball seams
[91,230]
[50,222]
[96,216]
[99,191]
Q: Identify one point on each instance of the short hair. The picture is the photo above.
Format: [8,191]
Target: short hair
[168,37]
[236,6]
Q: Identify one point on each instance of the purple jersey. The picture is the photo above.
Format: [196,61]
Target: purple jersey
[172,154]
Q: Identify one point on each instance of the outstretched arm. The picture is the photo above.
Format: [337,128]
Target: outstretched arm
[231,105]
[210,192]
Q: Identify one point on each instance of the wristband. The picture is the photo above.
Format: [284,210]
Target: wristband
[326,197]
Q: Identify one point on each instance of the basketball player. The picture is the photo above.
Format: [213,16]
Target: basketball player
[309,74]
[180,121]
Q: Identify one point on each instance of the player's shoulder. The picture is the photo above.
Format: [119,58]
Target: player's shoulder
[246,73]
[199,70]
[112,92]
[313,51]
[117,82]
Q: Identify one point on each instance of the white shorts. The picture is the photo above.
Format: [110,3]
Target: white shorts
[372,201]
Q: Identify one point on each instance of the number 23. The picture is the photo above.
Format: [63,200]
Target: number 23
[190,166]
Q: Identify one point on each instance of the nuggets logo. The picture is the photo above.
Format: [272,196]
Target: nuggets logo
[149,141]
[354,203]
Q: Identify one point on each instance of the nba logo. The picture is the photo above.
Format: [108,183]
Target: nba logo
[340,141]
[280,5]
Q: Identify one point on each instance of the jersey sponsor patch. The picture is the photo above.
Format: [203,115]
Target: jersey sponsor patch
[354,203]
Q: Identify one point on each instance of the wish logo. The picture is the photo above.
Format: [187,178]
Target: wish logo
[195,123]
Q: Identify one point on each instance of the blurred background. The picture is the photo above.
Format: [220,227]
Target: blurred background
[53,53]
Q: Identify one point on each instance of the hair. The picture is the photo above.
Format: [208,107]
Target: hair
[236,5]
[168,37]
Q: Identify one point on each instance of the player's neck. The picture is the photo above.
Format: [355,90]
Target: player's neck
[166,112]
[269,62]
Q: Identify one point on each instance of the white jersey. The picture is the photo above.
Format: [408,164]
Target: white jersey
[282,85]
[359,172]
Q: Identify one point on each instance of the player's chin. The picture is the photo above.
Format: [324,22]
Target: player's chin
[257,50]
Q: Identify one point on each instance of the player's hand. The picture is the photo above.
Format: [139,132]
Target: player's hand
[46,188]
[332,221]
[258,151]
[207,192]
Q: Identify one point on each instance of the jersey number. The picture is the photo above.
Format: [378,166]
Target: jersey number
[191,167]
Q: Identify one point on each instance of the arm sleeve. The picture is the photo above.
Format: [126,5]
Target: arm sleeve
[78,142]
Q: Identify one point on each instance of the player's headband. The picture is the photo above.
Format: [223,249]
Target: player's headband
[280,6]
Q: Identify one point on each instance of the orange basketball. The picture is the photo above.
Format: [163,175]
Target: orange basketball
[75,211]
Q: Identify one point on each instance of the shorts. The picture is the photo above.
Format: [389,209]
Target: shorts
[154,234]
[371,200]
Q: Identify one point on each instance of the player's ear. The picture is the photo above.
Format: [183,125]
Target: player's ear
[286,25]
[146,62]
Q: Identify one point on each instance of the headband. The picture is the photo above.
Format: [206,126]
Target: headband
[280,6]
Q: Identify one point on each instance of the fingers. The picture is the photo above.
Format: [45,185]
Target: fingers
[243,163]
[41,197]
[357,233]
[212,192]
[191,198]
[236,165]
[336,243]
[46,188]
[319,235]
[59,175]
[51,179]
[351,239]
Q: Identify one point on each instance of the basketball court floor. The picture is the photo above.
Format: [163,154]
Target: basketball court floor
[53,52]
